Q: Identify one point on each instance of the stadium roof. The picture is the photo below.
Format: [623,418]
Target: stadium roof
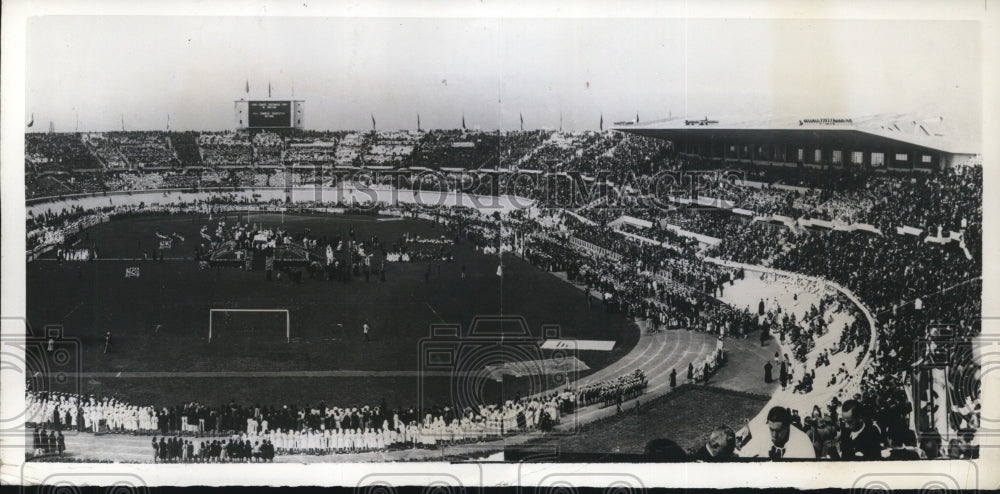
[927,132]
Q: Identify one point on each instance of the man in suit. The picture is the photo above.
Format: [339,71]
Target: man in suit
[859,439]
[720,446]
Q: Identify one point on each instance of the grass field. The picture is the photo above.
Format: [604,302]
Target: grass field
[159,322]
[685,416]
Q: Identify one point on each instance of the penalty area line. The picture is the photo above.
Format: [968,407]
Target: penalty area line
[435,312]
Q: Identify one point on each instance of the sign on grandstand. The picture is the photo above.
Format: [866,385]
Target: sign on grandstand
[132,272]
[825,121]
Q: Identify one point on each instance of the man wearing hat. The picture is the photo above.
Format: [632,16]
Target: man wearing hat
[778,440]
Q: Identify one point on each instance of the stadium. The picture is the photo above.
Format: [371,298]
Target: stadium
[272,293]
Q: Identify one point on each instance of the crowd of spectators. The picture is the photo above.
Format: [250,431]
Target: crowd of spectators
[145,149]
[907,282]
[226,148]
[107,151]
[57,152]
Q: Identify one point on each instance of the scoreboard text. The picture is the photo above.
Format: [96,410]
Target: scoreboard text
[270,114]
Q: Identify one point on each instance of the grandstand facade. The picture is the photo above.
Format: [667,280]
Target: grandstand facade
[896,142]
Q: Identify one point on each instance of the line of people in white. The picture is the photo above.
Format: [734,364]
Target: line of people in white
[88,413]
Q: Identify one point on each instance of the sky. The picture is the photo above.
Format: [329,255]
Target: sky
[101,70]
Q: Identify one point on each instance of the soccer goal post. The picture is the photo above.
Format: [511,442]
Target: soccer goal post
[248,315]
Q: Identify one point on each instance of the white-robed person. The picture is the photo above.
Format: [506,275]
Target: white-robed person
[278,441]
[776,439]
[413,431]
[348,440]
[338,441]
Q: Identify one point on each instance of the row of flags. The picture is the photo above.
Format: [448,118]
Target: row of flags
[247,89]
[269,94]
[521,115]
[31,122]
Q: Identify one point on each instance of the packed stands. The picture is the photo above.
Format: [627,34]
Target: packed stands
[58,152]
[455,149]
[185,146]
[225,149]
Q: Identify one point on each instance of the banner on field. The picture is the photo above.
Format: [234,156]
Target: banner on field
[564,365]
[597,345]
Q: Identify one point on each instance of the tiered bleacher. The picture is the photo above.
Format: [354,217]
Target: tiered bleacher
[225,149]
[908,246]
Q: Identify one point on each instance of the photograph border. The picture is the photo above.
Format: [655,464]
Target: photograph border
[961,473]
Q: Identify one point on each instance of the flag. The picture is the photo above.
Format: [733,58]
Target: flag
[269,89]
[560,121]
[373,121]
[32,121]
[418,122]
[602,122]
[168,122]
[463,122]
[522,121]
[123,122]
[637,117]
[248,86]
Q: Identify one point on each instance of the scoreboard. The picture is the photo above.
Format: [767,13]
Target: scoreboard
[269,114]
[263,114]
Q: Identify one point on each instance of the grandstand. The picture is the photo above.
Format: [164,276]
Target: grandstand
[887,142]
[681,226]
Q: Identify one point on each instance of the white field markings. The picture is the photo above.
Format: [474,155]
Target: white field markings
[435,312]
[75,307]
[118,259]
